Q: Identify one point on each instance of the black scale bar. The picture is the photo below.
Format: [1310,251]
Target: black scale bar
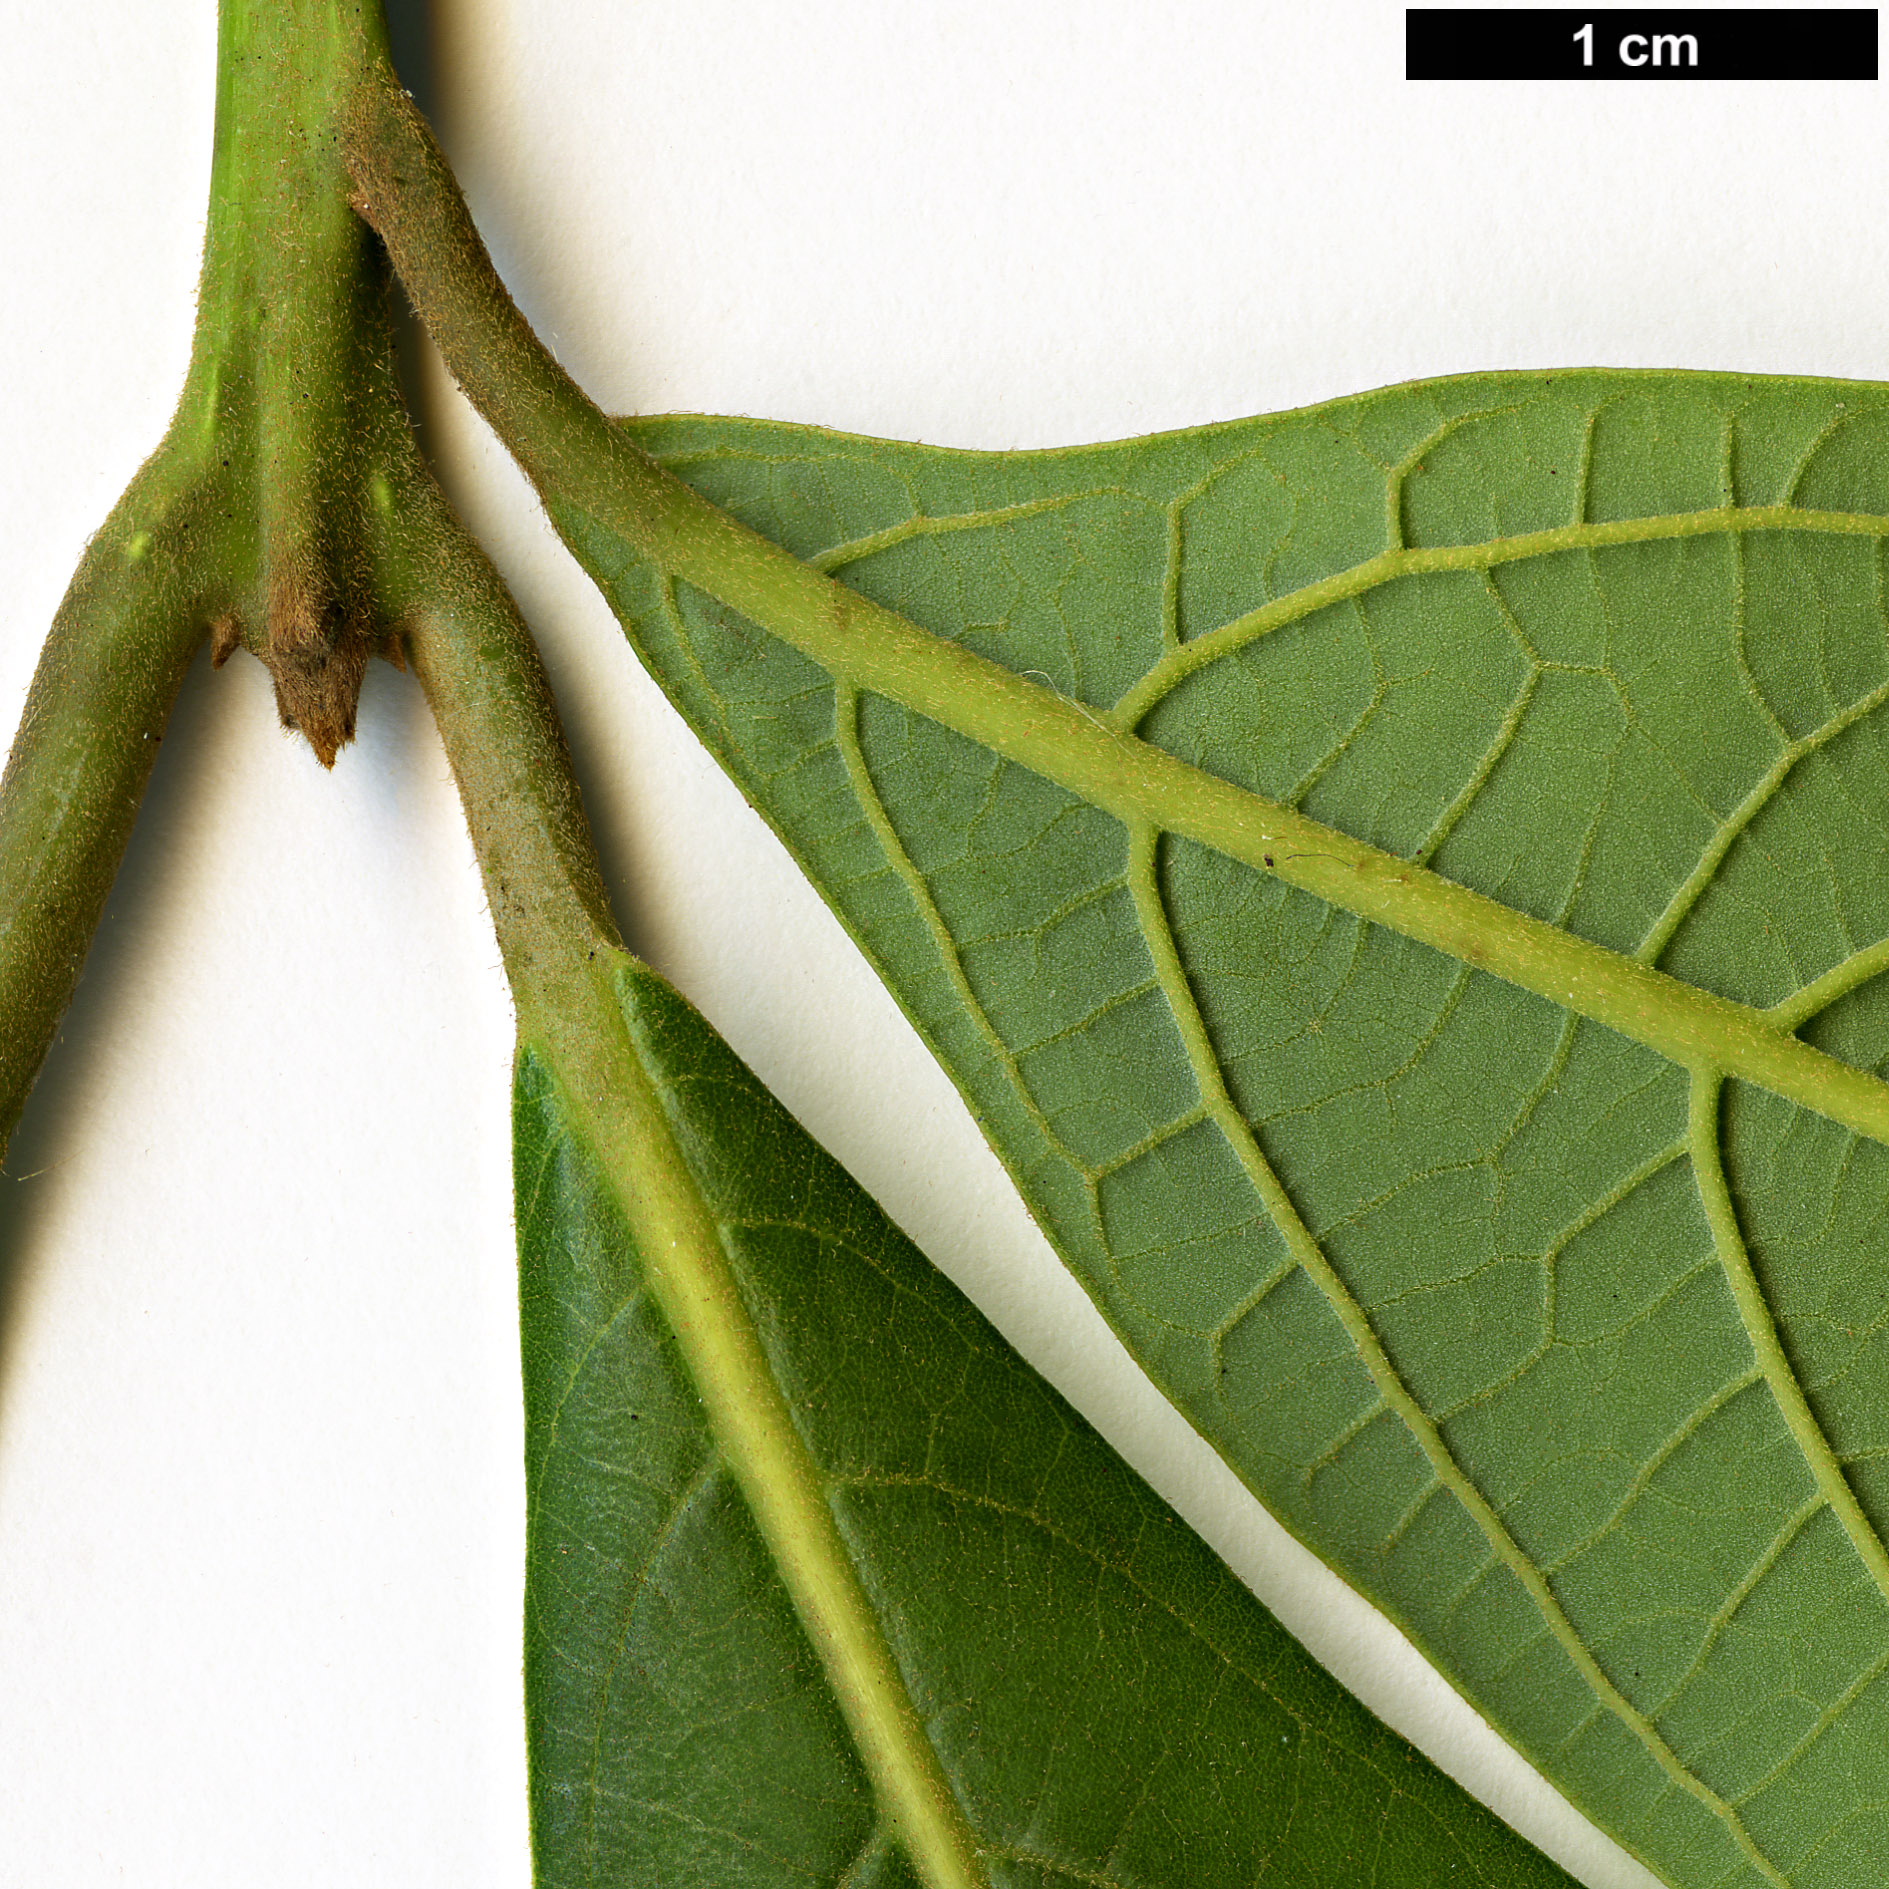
[1621,43]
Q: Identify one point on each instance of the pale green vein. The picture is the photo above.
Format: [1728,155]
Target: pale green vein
[1302,788]
[1397,477]
[1747,810]
[1868,1677]
[1741,641]
[1597,1210]
[1389,565]
[1761,1329]
[1551,1257]
[1544,1087]
[1821,992]
[1333,1452]
[1584,472]
[1396,1395]
[704,1479]
[1642,1479]
[1156,1137]
[935,525]
[1171,553]
[1406,1521]
[950,958]
[679,635]
[1503,740]
[1863,1808]
[1257,1297]
[1794,1526]
[1839,417]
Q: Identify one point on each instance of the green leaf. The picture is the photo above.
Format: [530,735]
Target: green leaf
[1395,881]
[1413,932]
[786,1483]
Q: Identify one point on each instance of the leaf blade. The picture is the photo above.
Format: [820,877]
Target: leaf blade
[1727,444]
[662,1221]
[695,1732]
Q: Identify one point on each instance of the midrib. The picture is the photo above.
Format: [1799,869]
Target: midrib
[865,646]
[614,1105]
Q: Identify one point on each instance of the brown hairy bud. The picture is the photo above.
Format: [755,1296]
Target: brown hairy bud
[317,648]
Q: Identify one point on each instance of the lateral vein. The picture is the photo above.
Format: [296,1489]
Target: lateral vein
[1741,817]
[1398,561]
[1767,1346]
[1388,1381]
[950,956]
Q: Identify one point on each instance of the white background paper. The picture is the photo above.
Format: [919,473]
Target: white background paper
[260,1488]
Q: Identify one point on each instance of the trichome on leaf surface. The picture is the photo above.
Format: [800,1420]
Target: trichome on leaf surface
[1394,882]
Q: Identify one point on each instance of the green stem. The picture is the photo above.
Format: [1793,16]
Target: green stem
[292,373]
[254,515]
[567,968]
[610,501]
[101,696]
[463,637]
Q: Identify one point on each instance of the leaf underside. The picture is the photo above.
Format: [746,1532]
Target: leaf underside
[1573,1359]
[1106,1702]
